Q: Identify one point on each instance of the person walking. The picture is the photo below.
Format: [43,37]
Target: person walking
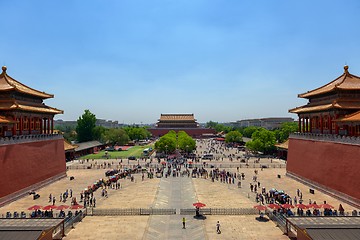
[183,222]
[218,227]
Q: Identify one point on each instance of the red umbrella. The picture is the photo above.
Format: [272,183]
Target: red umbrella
[49,207]
[163,163]
[35,207]
[314,205]
[328,206]
[286,205]
[62,207]
[274,206]
[199,204]
[260,207]
[302,206]
[76,206]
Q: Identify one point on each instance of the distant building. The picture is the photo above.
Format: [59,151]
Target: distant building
[99,122]
[267,123]
[179,122]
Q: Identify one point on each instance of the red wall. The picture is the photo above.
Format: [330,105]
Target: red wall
[22,165]
[193,132]
[334,165]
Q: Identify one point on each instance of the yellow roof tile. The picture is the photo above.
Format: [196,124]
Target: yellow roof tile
[177,117]
[355,117]
[346,81]
[7,83]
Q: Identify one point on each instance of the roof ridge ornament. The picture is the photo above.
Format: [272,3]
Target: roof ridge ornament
[4,68]
[346,71]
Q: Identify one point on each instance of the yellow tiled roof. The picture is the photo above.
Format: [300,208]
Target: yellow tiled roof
[68,146]
[346,81]
[12,105]
[355,117]
[284,145]
[4,119]
[7,83]
[177,117]
[339,104]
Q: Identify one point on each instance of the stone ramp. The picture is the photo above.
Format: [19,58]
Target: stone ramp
[174,192]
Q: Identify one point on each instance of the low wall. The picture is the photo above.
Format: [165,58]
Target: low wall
[333,165]
[193,132]
[28,164]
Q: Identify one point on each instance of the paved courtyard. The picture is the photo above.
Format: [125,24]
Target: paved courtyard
[174,192]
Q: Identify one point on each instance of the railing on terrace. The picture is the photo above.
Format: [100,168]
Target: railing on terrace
[327,138]
[131,211]
[29,138]
[220,211]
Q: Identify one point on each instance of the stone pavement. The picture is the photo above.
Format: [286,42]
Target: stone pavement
[174,192]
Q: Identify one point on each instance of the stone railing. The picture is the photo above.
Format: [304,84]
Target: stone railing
[327,138]
[29,138]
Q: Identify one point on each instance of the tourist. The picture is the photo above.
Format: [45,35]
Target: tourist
[183,222]
[218,227]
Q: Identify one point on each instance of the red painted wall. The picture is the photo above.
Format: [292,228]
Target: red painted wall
[334,165]
[193,132]
[22,165]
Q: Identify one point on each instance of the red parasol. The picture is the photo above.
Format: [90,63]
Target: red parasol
[260,207]
[302,206]
[35,207]
[286,205]
[62,207]
[77,206]
[199,204]
[328,206]
[274,206]
[314,205]
[49,207]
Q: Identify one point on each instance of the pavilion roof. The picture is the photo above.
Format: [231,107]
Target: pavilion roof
[5,120]
[354,117]
[284,145]
[24,106]
[68,146]
[336,104]
[177,117]
[346,81]
[8,83]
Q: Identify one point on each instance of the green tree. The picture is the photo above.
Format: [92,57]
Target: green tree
[85,126]
[233,137]
[115,136]
[262,140]
[68,132]
[286,128]
[248,132]
[137,133]
[185,142]
[98,133]
[166,144]
[211,124]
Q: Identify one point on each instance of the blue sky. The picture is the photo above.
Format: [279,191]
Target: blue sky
[221,60]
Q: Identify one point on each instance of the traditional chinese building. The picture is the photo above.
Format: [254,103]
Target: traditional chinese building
[179,122]
[325,152]
[22,111]
[30,154]
[333,108]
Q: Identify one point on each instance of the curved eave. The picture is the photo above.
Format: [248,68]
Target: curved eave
[10,83]
[355,117]
[346,81]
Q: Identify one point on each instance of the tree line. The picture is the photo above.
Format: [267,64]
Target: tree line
[86,130]
[262,140]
